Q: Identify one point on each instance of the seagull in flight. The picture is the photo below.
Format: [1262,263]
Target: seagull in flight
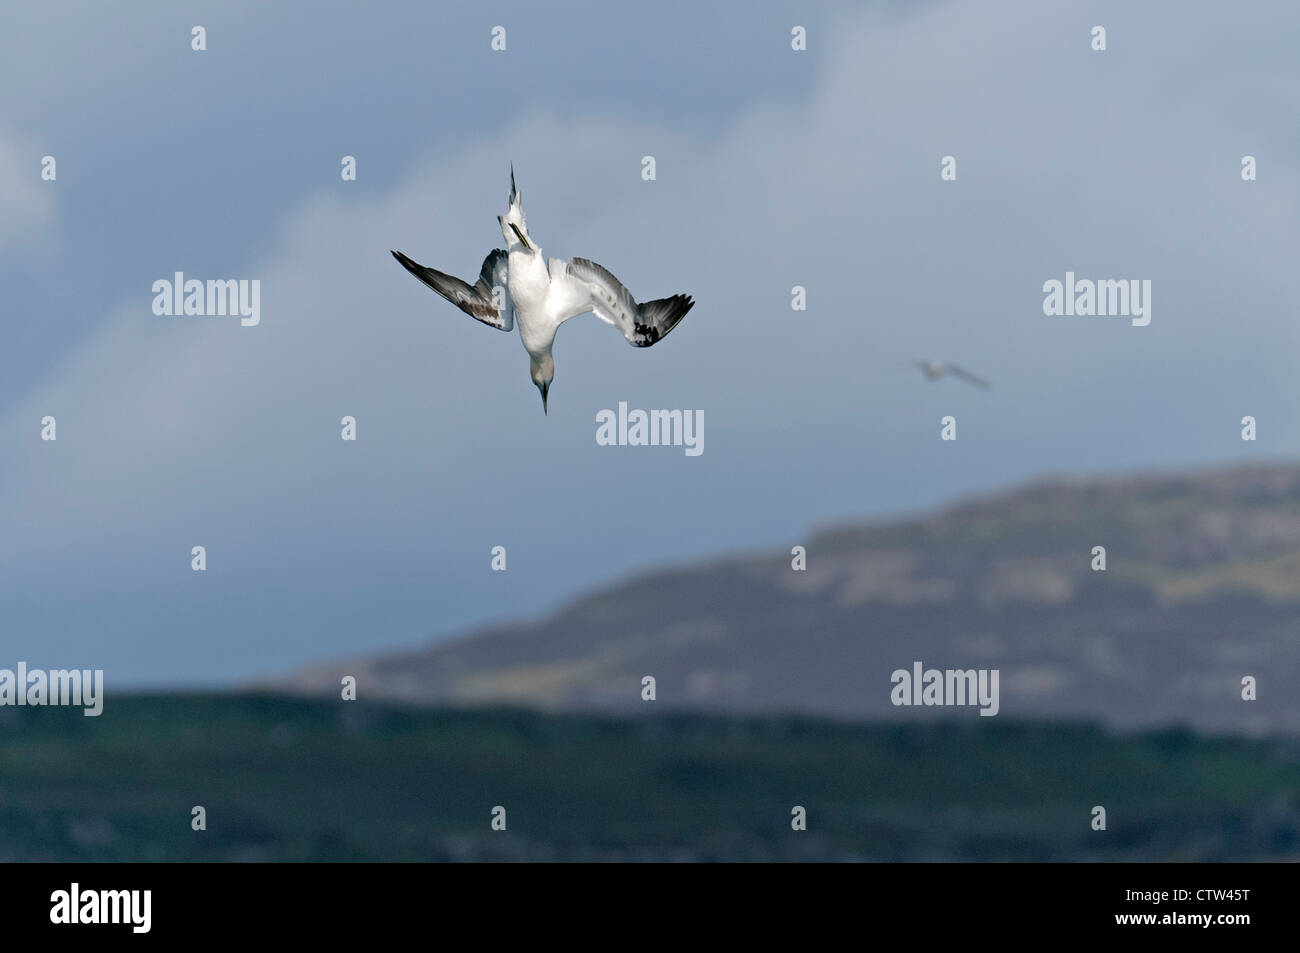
[933,370]
[518,282]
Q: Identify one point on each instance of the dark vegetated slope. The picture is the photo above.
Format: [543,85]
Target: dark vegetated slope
[293,779]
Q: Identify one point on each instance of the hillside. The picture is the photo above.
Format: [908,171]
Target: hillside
[1202,587]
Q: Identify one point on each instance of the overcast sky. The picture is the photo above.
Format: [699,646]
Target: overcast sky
[775,168]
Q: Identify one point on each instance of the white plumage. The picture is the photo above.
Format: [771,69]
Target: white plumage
[517,282]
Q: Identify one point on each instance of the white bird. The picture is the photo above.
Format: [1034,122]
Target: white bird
[518,281]
[934,370]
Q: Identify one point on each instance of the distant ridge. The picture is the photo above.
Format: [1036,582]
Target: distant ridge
[1202,588]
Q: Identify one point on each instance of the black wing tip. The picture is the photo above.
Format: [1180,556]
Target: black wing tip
[408,263]
[676,307]
[681,305]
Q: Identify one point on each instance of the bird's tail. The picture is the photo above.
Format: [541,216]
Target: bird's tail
[513,221]
[516,200]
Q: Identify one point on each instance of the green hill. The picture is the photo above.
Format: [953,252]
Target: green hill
[294,779]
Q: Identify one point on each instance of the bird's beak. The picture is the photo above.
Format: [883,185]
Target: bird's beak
[545,389]
[520,236]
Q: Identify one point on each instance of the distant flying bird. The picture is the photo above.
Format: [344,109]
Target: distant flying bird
[934,370]
[544,294]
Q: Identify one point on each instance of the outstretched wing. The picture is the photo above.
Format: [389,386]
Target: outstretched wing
[595,289]
[475,300]
[968,376]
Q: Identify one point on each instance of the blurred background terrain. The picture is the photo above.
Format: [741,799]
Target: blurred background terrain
[1201,588]
[1119,688]
[285,779]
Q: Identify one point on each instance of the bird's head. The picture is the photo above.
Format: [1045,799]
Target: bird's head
[543,372]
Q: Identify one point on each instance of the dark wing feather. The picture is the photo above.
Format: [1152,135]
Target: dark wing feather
[642,324]
[475,300]
[968,376]
[658,317]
